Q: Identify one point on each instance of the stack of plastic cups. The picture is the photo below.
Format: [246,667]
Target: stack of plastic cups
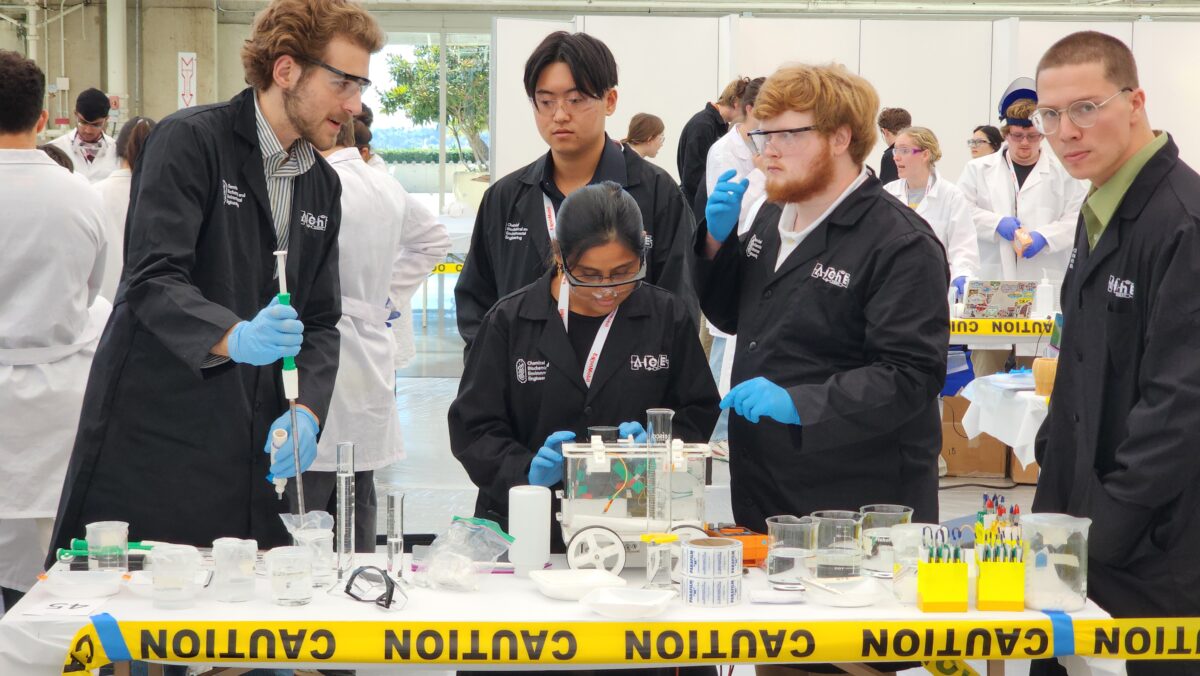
[711,572]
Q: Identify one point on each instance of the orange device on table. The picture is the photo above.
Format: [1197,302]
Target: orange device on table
[754,545]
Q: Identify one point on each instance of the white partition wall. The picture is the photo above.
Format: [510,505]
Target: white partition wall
[667,66]
[514,136]
[1035,37]
[936,70]
[1167,65]
[763,45]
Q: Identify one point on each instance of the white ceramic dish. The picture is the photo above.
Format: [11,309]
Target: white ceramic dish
[571,585]
[82,584]
[624,603]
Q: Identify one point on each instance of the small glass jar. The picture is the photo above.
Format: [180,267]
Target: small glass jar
[662,554]
[290,572]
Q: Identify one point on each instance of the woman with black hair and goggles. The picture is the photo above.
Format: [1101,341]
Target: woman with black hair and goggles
[588,344]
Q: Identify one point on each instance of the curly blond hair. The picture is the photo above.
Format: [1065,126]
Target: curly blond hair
[303,29]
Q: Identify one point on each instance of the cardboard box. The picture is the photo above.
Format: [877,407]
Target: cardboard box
[1022,475]
[954,408]
[983,456]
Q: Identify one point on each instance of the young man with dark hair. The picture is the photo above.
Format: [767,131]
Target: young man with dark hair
[571,81]
[1119,444]
[891,121]
[185,393]
[92,152]
[51,262]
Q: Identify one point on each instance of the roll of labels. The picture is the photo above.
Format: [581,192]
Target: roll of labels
[711,572]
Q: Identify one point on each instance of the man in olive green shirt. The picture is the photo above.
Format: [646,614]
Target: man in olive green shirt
[1121,443]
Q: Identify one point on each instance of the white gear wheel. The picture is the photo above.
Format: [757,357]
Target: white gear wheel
[596,547]
[685,534]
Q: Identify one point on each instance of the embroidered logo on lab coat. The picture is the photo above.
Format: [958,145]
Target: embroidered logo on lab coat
[649,362]
[531,371]
[649,241]
[514,232]
[754,247]
[233,196]
[831,275]
[1071,263]
[314,222]
[1121,288]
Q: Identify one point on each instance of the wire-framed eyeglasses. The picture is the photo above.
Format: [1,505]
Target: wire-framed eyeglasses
[1083,114]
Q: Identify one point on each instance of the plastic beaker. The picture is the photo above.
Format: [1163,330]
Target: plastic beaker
[233,573]
[1055,551]
[320,542]
[907,539]
[876,536]
[108,545]
[791,546]
[173,574]
[290,571]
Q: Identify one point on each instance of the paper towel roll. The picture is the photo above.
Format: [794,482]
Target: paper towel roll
[529,524]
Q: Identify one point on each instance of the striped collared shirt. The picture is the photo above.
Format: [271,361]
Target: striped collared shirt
[281,169]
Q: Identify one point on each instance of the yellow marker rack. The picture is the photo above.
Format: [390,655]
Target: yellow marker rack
[942,587]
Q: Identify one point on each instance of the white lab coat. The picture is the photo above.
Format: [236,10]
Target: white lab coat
[949,214]
[115,192]
[96,170]
[426,243]
[1049,203]
[375,213]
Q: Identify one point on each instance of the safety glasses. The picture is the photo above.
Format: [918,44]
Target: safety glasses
[372,585]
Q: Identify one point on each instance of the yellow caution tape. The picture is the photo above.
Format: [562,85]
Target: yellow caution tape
[950,668]
[447,268]
[1001,327]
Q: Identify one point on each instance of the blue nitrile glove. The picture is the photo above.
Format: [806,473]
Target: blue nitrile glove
[758,397]
[274,333]
[960,283]
[393,313]
[725,205]
[546,469]
[1034,247]
[625,429]
[284,465]
[1008,227]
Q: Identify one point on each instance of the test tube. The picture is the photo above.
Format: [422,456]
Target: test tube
[345,508]
[395,532]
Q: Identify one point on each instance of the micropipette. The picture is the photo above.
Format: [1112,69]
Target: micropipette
[291,380]
[278,439]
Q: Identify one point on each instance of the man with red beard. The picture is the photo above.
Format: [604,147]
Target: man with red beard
[837,295]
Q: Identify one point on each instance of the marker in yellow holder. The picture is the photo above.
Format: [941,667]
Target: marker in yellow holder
[1001,583]
[942,586]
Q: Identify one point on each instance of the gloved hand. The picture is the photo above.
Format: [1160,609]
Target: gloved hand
[284,464]
[274,333]
[724,205]
[626,429]
[960,283]
[546,469]
[758,397]
[1036,246]
[1008,225]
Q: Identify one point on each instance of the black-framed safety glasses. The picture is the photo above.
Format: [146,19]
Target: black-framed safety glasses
[784,139]
[599,281]
[371,584]
[344,88]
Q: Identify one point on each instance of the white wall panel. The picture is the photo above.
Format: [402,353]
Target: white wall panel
[763,45]
[1167,66]
[1035,37]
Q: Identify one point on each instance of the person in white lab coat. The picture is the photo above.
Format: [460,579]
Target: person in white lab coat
[1021,188]
[935,199]
[52,251]
[93,152]
[115,192]
[374,263]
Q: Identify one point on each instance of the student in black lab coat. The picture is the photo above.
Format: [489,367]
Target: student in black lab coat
[587,344]
[1119,444]
[571,81]
[838,300]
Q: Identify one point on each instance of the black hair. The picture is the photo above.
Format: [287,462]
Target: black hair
[751,92]
[60,157]
[132,139]
[591,63]
[993,135]
[22,86]
[92,104]
[367,116]
[595,215]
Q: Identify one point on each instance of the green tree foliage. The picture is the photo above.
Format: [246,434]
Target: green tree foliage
[415,91]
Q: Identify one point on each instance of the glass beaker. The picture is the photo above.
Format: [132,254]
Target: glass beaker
[791,546]
[839,550]
[290,571]
[319,541]
[661,557]
[173,575]
[233,574]
[876,536]
[1055,551]
[658,426]
[108,545]
[907,541]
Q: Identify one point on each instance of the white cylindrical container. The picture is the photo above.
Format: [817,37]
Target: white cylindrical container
[711,573]
[1043,300]
[529,524]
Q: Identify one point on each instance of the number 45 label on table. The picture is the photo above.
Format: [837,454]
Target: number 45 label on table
[64,607]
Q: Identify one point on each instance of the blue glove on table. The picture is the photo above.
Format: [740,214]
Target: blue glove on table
[625,429]
[725,205]
[960,283]
[546,469]
[1036,246]
[274,333]
[758,397]
[1008,227]
[284,464]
